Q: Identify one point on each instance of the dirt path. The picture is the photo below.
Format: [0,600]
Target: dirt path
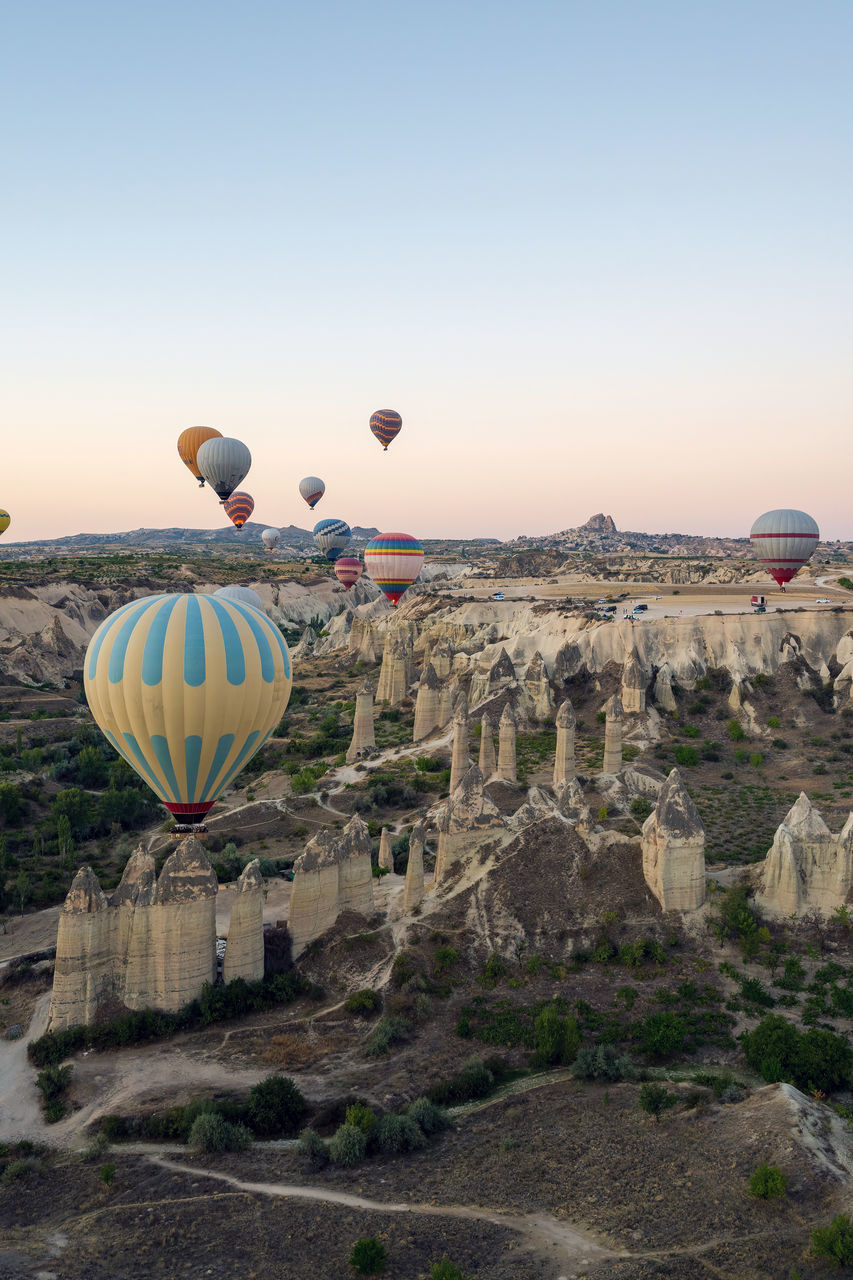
[20,1113]
[543,1232]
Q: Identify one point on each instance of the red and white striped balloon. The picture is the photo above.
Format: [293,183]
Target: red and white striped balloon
[783,541]
[348,570]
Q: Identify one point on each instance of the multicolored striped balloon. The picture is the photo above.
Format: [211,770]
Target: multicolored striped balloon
[312,490]
[783,541]
[393,561]
[331,537]
[385,425]
[348,570]
[239,507]
[187,688]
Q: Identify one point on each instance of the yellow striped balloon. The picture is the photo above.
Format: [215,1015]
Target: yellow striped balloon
[5,521]
[187,688]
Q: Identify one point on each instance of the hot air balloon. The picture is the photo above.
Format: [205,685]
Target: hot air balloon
[348,570]
[385,425]
[187,688]
[331,537]
[393,561]
[312,490]
[5,521]
[223,463]
[189,443]
[239,507]
[783,541]
[243,595]
[270,538]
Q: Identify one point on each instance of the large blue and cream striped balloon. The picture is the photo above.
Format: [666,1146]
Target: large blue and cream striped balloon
[187,688]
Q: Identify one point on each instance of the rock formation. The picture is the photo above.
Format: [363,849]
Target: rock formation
[183,926]
[461,761]
[334,874]
[414,889]
[441,658]
[674,849]
[506,746]
[83,974]
[564,762]
[397,670]
[467,820]
[500,676]
[427,704]
[572,804]
[488,763]
[613,736]
[244,951]
[807,868]
[134,946]
[664,696]
[306,644]
[634,684]
[446,699]
[386,857]
[539,701]
[363,736]
[361,640]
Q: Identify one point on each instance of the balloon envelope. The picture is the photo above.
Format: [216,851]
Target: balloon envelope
[385,425]
[312,490]
[270,538]
[331,537]
[5,521]
[224,463]
[189,443]
[348,570]
[783,541]
[239,507]
[187,688]
[243,595]
[393,561]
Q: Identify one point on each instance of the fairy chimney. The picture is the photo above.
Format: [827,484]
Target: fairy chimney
[506,746]
[613,735]
[363,737]
[488,763]
[674,849]
[564,761]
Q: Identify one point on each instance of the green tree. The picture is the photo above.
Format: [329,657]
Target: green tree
[835,1242]
[663,1034]
[655,1099]
[23,889]
[276,1107]
[556,1038]
[369,1256]
[768,1181]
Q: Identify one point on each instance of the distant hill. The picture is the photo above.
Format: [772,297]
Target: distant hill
[293,539]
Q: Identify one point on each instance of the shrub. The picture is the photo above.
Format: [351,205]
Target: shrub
[814,1059]
[212,1132]
[386,1033]
[767,1182]
[603,1062]
[108,1173]
[432,1119]
[756,759]
[557,1038]
[96,1148]
[446,1270]
[362,1117]
[18,1170]
[348,1146]
[369,1256]
[735,730]
[663,1034]
[275,1107]
[655,1099]
[687,756]
[396,1134]
[475,1080]
[835,1242]
[641,807]
[313,1148]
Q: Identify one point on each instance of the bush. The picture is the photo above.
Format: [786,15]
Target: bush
[275,1107]
[362,1117]
[96,1148]
[386,1033]
[603,1062]
[767,1182]
[396,1134]
[814,1059]
[446,1270]
[18,1170]
[108,1173]
[432,1119]
[364,1002]
[313,1148]
[557,1038]
[211,1132]
[475,1080]
[348,1146]
[835,1242]
[735,730]
[655,1099]
[369,1256]
[686,756]
[641,807]
[663,1034]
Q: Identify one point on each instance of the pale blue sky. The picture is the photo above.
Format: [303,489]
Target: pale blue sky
[597,255]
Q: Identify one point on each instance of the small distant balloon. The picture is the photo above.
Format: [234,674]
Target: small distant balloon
[332,536]
[348,570]
[312,490]
[224,463]
[783,541]
[239,507]
[393,561]
[385,425]
[270,538]
[242,595]
[5,521]
[189,443]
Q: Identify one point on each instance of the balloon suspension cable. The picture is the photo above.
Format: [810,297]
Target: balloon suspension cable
[182,829]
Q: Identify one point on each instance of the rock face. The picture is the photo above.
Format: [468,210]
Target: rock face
[427,704]
[386,857]
[306,644]
[468,818]
[500,676]
[664,696]
[460,761]
[414,888]
[674,849]
[488,763]
[332,875]
[446,699]
[807,868]
[397,670]
[613,736]
[441,658]
[634,685]
[363,737]
[153,945]
[564,761]
[361,640]
[244,951]
[539,700]
[506,746]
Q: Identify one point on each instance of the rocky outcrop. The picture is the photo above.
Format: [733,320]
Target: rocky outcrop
[244,951]
[441,657]
[634,685]
[500,676]
[363,735]
[305,647]
[808,869]
[538,699]
[414,888]
[488,762]
[460,761]
[612,735]
[506,746]
[362,640]
[83,973]
[427,704]
[356,868]
[564,761]
[134,945]
[183,926]
[334,874]
[467,819]
[674,849]
[573,805]
[664,696]
[386,857]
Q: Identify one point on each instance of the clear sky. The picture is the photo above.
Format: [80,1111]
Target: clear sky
[596,252]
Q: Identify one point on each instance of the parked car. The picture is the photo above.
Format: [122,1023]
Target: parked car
[640,608]
[823,600]
[498,595]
